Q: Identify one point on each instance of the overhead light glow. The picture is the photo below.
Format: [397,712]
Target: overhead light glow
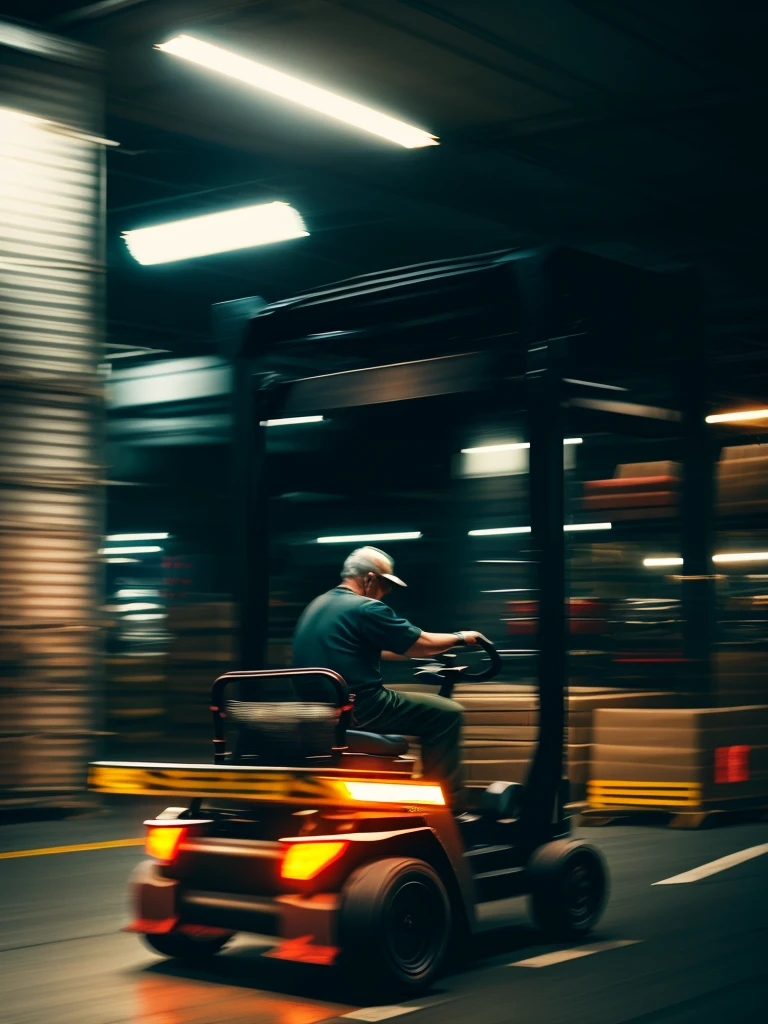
[738,417]
[742,556]
[120,537]
[215,232]
[579,527]
[569,527]
[731,556]
[499,531]
[144,549]
[115,561]
[289,421]
[312,96]
[354,537]
[516,447]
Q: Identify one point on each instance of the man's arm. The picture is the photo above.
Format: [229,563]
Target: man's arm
[436,643]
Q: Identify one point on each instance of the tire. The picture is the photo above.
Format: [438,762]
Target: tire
[394,924]
[569,888]
[185,947]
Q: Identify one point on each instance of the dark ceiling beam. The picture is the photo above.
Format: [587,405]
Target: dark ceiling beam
[91,12]
[658,38]
[615,106]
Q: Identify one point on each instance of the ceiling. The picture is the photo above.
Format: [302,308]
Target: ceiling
[632,128]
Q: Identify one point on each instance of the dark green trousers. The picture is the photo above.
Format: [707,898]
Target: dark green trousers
[436,722]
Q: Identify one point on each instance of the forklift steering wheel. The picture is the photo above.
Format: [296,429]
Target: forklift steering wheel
[439,671]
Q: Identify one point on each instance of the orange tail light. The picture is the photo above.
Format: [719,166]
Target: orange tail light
[163,841]
[303,861]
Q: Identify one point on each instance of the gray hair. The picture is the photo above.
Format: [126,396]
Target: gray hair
[365,560]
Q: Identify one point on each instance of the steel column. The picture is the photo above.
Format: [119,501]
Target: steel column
[544,381]
[699,455]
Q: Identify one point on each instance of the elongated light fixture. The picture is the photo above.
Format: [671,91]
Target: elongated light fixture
[731,556]
[354,537]
[742,556]
[290,421]
[569,527]
[738,417]
[143,549]
[312,96]
[215,232]
[119,537]
[516,447]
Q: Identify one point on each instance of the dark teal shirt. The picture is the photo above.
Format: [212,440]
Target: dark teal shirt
[345,632]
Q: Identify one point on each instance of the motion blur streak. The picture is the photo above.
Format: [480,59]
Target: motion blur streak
[50,466]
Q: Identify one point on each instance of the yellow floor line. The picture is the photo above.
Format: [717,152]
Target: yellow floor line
[108,845]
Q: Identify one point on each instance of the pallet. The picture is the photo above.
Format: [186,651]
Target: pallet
[594,817]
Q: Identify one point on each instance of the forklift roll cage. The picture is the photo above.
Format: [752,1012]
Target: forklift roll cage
[538,325]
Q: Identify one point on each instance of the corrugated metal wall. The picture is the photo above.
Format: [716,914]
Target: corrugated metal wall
[51,326]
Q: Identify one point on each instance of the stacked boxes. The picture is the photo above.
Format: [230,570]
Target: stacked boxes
[202,648]
[679,759]
[501,728]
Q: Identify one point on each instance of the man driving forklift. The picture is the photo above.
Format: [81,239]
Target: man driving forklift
[349,629]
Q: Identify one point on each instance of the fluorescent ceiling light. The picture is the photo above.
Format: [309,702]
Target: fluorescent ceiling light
[114,561]
[742,556]
[516,447]
[498,532]
[732,556]
[508,590]
[526,529]
[215,232]
[140,592]
[144,550]
[737,417]
[573,527]
[288,421]
[136,536]
[353,538]
[279,84]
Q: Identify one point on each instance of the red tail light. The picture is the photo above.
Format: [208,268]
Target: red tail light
[303,861]
[163,841]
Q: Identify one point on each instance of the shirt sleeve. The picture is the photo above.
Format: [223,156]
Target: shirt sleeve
[384,629]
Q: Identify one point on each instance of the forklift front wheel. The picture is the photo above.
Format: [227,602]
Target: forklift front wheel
[569,887]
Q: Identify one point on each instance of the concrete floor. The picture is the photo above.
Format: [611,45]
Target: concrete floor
[699,951]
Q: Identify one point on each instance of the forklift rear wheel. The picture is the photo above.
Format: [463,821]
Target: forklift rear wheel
[394,924]
[569,887]
[186,947]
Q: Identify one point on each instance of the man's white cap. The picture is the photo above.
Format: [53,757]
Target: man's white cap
[370,559]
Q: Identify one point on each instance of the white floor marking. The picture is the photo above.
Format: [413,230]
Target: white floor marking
[548,959]
[722,864]
[374,1013]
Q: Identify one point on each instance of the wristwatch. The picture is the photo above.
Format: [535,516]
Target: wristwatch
[462,639]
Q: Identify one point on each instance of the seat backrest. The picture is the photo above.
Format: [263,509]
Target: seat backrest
[283,716]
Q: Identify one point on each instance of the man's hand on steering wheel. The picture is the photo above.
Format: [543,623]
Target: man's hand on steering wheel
[470,637]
